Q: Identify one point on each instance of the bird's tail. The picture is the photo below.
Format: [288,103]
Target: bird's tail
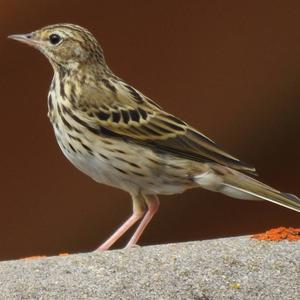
[241,186]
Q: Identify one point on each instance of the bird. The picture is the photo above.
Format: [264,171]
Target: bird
[118,136]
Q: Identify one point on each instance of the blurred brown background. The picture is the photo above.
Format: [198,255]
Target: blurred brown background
[230,68]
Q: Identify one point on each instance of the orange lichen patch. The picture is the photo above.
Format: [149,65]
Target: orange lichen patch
[63,254]
[34,257]
[279,234]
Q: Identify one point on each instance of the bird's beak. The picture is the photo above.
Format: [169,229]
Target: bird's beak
[25,38]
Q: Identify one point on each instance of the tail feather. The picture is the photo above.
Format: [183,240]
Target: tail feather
[249,186]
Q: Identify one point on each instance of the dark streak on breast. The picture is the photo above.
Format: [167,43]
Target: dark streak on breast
[154,161]
[128,162]
[50,102]
[119,151]
[62,72]
[103,156]
[73,149]
[107,142]
[174,167]
[59,110]
[72,94]
[87,148]
[120,170]
[75,138]
[66,123]
[138,174]
[62,89]
[134,165]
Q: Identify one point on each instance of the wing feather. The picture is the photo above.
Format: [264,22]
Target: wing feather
[140,120]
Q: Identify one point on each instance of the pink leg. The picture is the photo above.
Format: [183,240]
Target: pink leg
[153,205]
[138,212]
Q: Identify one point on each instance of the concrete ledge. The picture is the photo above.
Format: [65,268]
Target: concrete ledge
[230,268]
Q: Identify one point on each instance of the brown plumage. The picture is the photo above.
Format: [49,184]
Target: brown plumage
[120,137]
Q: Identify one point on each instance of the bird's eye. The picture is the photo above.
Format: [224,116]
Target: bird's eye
[54,38]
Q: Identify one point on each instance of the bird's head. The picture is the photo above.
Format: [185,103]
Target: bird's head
[65,45]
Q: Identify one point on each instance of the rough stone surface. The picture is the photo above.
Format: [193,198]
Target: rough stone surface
[230,268]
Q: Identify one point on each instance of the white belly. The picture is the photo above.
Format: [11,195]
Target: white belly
[148,179]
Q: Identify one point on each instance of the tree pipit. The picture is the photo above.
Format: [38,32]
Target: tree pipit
[118,136]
